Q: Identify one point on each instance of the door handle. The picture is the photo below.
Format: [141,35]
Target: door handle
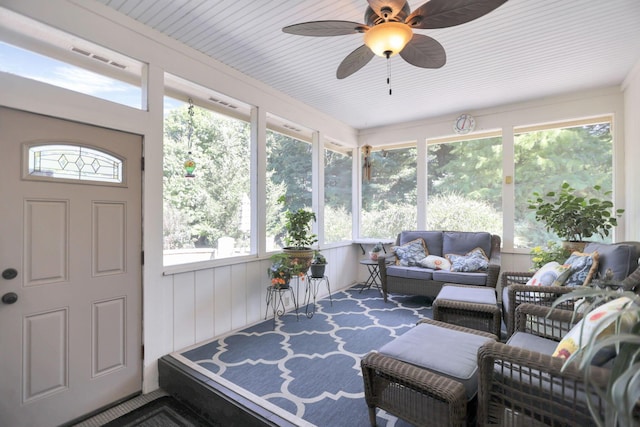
[9,298]
[9,273]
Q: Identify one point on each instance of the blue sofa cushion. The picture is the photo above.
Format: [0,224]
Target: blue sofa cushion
[477,279]
[621,259]
[452,354]
[410,272]
[432,239]
[460,242]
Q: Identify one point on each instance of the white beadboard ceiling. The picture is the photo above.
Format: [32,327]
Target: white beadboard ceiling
[525,49]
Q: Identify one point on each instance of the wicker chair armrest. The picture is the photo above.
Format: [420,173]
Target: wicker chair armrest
[515,277]
[547,322]
[414,377]
[493,273]
[632,281]
[540,295]
[537,386]
[457,328]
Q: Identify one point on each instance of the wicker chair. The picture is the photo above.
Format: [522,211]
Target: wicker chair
[516,292]
[415,394]
[518,387]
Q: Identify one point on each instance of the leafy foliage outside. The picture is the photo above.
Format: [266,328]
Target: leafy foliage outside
[288,181]
[389,199]
[337,195]
[464,182]
[199,211]
[545,159]
[465,186]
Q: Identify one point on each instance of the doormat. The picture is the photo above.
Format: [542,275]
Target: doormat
[165,411]
[310,367]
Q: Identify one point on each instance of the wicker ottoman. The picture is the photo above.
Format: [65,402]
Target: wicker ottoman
[473,307]
[427,376]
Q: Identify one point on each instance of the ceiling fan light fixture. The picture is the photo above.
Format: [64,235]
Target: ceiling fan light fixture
[388,38]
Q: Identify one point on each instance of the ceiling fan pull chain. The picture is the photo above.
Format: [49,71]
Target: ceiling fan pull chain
[388,54]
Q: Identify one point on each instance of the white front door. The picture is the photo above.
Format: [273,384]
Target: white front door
[70,264]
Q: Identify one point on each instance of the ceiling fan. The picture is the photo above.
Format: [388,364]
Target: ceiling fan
[389,30]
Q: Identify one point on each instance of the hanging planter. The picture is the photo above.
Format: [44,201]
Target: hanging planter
[189,166]
[189,163]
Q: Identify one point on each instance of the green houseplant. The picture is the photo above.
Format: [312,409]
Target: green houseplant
[318,264]
[297,225]
[574,217]
[298,233]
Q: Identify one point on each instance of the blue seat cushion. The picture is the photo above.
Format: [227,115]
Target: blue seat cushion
[468,294]
[410,272]
[450,353]
[463,278]
[532,343]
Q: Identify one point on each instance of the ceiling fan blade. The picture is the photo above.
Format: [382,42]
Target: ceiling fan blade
[325,28]
[425,52]
[387,9]
[448,13]
[354,61]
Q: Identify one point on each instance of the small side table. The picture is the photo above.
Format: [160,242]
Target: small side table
[275,299]
[374,278]
[313,285]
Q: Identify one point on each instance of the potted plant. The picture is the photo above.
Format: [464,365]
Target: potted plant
[283,268]
[375,251]
[541,255]
[318,264]
[574,217]
[298,236]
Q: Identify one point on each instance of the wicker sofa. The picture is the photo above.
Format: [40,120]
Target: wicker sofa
[415,280]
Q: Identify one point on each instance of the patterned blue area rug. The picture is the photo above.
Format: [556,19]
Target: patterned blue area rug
[310,367]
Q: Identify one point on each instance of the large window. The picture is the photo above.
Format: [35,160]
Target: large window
[389,192]
[464,184]
[289,177]
[579,153]
[338,164]
[206,216]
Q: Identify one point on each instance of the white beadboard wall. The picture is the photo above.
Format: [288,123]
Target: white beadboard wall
[213,302]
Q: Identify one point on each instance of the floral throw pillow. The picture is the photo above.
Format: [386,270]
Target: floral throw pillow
[596,325]
[551,273]
[474,260]
[583,266]
[411,253]
[435,263]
